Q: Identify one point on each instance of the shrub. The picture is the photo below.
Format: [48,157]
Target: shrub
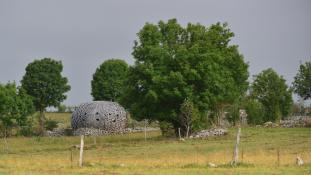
[26,131]
[255,112]
[167,129]
[50,125]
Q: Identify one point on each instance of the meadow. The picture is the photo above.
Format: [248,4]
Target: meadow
[131,154]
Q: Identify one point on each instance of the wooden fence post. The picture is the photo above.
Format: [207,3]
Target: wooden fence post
[94,140]
[81,151]
[236,148]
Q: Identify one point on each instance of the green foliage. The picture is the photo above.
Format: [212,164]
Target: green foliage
[174,63]
[255,111]
[302,82]
[167,129]
[61,108]
[108,80]
[15,107]
[189,117]
[233,115]
[27,131]
[44,82]
[50,124]
[272,92]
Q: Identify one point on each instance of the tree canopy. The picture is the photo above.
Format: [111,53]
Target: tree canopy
[15,107]
[44,82]
[174,63]
[108,80]
[302,82]
[271,91]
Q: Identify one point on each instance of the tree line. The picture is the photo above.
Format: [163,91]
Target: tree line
[184,77]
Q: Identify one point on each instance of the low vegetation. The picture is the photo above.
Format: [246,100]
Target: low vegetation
[131,154]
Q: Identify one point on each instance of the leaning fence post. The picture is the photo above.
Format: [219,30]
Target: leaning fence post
[81,151]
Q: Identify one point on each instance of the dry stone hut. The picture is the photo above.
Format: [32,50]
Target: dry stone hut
[102,117]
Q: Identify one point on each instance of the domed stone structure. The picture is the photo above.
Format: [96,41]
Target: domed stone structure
[107,116]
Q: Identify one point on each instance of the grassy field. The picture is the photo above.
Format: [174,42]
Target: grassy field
[131,154]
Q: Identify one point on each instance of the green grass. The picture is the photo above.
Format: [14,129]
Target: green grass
[130,154]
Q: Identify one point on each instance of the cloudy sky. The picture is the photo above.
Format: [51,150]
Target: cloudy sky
[83,34]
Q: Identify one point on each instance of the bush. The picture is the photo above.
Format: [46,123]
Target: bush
[50,125]
[255,112]
[26,131]
[233,115]
[167,129]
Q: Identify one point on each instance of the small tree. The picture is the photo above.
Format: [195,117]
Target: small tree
[15,107]
[188,117]
[302,82]
[108,80]
[44,82]
[272,92]
[254,110]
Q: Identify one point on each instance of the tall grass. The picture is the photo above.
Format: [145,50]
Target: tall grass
[131,154]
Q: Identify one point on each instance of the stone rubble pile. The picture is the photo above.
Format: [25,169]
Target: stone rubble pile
[92,132]
[141,129]
[209,133]
[270,125]
[295,121]
[57,132]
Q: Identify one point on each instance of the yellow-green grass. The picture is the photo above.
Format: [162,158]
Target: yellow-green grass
[64,118]
[130,154]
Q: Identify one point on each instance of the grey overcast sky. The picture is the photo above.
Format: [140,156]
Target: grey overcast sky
[83,34]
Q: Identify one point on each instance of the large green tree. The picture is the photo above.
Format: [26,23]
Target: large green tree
[15,107]
[108,80]
[44,82]
[174,63]
[302,82]
[271,91]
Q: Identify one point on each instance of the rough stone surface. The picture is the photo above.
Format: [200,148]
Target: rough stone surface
[209,133]
[90,132]
[141,129]
[295,121]
[55,133]
[270,125]
[98,117]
